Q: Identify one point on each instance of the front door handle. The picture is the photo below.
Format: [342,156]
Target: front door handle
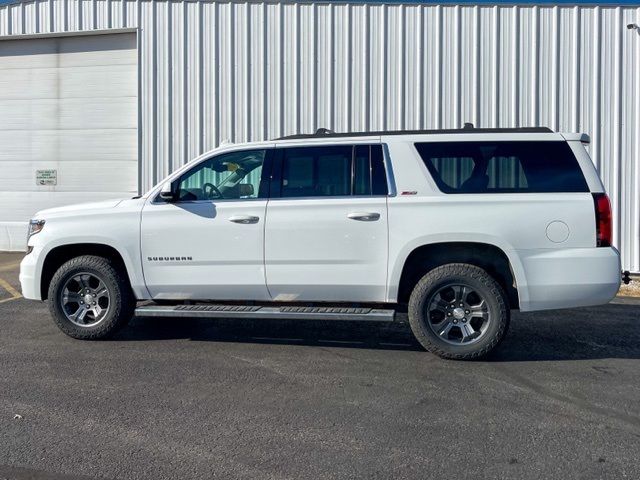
[364,216]
[244,219]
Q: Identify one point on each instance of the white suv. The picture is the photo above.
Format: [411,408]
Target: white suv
[454,227]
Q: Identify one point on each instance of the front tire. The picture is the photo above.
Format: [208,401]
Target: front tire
[89,298]
[458,311]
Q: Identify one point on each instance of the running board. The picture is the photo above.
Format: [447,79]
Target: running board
[256,312]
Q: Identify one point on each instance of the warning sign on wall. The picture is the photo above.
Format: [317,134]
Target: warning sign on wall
[47,177]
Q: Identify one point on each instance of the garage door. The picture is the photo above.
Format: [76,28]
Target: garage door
[68,125]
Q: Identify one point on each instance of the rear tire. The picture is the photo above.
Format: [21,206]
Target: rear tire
[90,299]
[458,311]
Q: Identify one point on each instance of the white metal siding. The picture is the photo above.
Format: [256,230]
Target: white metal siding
[67,104]
[253,70]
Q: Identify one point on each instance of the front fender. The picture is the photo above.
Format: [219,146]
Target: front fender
[117,229]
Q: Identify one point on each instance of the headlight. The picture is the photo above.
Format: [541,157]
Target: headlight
[35,226]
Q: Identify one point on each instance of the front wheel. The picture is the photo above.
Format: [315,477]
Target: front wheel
[89,298]
[458,311]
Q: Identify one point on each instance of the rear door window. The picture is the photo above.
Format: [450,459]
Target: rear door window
[503,167]
[331,171]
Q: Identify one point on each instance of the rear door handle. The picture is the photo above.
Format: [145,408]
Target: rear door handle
[244,219]
[364,216]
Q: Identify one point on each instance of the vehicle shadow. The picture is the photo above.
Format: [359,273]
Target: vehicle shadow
[610,331]
[382,335]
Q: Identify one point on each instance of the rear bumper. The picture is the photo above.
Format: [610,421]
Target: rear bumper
[566,278]
[30,276]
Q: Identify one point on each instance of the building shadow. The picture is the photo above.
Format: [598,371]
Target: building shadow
[610,331]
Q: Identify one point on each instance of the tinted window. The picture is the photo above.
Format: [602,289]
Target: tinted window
[503,167]
[331,171]
[362,171]
[379,185]
[233,175]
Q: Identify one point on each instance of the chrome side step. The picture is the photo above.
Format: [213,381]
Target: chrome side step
[256,312]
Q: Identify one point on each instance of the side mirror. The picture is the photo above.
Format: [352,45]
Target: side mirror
[168,192]
[246,189]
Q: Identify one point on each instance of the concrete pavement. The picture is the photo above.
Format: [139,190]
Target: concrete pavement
[171,398]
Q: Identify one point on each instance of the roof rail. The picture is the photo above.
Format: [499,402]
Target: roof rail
[468,128]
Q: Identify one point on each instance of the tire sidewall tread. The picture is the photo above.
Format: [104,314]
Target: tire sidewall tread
[463,273]
[122,301]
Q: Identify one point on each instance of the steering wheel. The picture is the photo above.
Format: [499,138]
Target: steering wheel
[209,189]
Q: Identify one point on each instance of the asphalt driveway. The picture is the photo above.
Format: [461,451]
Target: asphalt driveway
[274,399]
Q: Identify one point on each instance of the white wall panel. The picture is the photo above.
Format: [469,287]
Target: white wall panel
[240,71]
[68,104]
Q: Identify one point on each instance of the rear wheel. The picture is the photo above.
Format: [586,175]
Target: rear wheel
[458,311]
[89,298]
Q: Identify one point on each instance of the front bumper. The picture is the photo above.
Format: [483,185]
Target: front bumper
[567,278]
[30,275]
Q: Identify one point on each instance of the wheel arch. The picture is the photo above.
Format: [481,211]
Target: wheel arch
[58,255]
[487,256]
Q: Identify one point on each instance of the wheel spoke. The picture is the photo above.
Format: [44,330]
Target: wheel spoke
[438,304]
[444,328]
[482,305]
[83,280]
[465,293]
[71,297]
[457,292]
[479,314]
[97,310]
[101,291]
[79,314]
[460,292]
[468,332]
[480,310]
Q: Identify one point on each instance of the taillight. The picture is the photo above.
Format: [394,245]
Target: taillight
[603,220]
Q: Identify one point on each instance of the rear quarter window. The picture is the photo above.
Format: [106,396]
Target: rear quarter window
[503,167]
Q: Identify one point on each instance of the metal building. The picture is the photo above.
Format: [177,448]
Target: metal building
[103,98]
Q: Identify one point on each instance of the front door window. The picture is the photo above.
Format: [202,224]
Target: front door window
[230,176]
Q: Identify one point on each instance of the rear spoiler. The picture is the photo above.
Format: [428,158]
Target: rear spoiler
[577,137]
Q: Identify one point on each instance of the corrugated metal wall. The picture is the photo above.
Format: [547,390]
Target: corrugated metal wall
[253,70]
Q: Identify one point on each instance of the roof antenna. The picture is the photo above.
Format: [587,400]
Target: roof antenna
[324,131]
[468,126]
